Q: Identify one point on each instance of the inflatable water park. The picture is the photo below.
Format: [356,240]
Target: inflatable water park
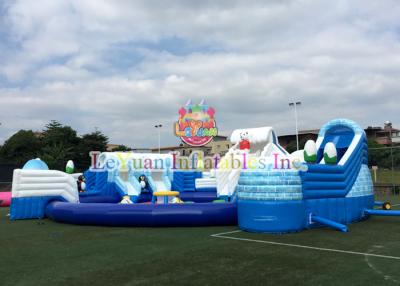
[256,185]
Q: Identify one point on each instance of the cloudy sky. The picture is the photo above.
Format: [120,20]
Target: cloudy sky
[123,66]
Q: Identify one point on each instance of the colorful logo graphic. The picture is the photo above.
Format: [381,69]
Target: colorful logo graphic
[196,125]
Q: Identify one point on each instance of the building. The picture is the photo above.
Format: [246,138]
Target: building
[385,135]
[219,145]
[141,150]
[123,148]
[111,147]
[183,149]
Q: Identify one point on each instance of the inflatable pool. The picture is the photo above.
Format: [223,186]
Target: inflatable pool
[144,215]
[5,199]
[53,194]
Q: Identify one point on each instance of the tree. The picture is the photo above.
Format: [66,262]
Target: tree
[379,155]
[292,146]
[57,134]
[56,145]
[56,156]
[95,141]
[20,147]
[122,148]
[60,144]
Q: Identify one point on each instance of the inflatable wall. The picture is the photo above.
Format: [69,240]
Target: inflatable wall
[34,186]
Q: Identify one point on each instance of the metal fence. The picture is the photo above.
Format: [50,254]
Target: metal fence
[6,173]
[384,163]
[5,186]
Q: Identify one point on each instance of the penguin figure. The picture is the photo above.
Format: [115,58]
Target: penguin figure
[81,184]
[143,181]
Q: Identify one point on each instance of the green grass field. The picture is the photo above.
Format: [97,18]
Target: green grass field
[47,253]
[385,176]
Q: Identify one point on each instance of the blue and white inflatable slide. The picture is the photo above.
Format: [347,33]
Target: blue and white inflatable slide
[288,200]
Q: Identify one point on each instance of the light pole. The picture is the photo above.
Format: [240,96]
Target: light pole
[295,104]
[389,124]
[158,126]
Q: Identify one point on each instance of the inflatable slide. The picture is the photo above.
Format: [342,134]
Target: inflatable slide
[332,187]
[263,142]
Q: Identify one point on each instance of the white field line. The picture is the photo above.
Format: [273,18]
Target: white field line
[224,236]
[376,269]
[223,233]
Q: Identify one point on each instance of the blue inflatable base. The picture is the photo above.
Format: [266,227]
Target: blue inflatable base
[294,216]
[271,216]
[99,199]
[198,197]
[144,215]
[96,197]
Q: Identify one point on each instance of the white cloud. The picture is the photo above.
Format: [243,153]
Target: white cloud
[106,64]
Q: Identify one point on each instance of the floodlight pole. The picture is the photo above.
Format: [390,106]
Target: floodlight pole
[294,104]
[391,156]
[158,126]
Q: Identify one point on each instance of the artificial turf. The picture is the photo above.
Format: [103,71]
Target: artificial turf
[385,176]
[48,253]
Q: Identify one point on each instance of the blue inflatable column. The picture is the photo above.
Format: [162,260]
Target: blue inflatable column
[382,212]
[271,201]
[330,223]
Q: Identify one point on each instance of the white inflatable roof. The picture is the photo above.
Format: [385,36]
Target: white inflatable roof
[42,183]
[256,135]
